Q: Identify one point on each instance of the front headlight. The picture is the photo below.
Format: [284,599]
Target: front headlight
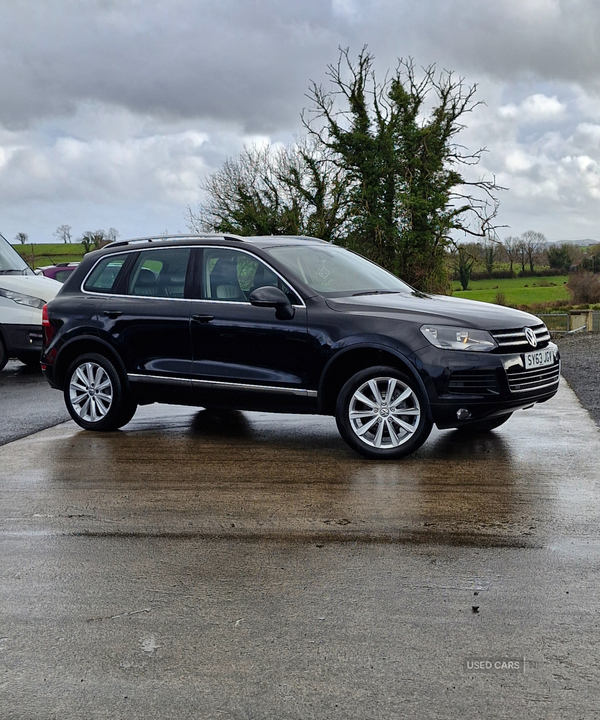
[22,299]
[457,338]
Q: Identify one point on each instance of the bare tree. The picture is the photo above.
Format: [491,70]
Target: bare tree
[534,244]
[522,254]
[511,248]
[63,233]
[264,191]
[112,234]
[22,237]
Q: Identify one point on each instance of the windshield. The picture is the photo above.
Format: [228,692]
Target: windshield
[334,272]
[11,263]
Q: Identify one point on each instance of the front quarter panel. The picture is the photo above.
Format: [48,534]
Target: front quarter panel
[332,332]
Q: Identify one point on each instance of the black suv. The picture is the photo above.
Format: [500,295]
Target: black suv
[287,324]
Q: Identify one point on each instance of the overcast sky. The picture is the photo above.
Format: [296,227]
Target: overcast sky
[112,111]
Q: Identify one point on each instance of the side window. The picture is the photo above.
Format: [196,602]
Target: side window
[232,275]
[160,273]
[103,277]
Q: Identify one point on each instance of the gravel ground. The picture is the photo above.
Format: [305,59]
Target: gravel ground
[580,355]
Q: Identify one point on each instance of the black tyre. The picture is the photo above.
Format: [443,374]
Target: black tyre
[3,354]
[95,396]
[32,360]
[484,426]
[382,414]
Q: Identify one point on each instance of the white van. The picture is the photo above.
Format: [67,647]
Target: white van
[22,297]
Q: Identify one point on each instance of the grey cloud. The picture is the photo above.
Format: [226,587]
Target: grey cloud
[251,62]
[503,39]
[232,60]
[100,100]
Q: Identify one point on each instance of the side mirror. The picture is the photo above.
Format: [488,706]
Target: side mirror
[270,296]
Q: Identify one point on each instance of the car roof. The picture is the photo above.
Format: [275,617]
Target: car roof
[261,241]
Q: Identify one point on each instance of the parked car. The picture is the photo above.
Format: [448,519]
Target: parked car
[59,272]
[22,296]
[287,324]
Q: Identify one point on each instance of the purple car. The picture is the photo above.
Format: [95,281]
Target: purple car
[60,271]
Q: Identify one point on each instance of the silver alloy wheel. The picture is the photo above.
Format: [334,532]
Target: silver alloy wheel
[384,412]
[91,392]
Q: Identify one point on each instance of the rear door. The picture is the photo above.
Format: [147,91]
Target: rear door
[148,319]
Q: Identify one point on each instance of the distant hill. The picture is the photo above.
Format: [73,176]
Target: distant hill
[584,242]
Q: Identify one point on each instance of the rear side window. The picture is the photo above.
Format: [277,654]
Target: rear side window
[103,277]
[160,273]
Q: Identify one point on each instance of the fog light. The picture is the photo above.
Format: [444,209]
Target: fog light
[463,414]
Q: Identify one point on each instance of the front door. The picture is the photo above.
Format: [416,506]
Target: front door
[237,346]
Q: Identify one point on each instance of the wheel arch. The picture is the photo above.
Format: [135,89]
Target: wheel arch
[342,366]
[80,346]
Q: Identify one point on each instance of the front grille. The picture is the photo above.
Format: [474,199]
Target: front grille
[520,380]
[515,340]
[473,382]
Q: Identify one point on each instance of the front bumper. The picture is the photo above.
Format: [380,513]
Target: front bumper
[22,339]
[466,387]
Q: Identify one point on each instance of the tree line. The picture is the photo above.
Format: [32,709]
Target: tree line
[90,239]
[523,255]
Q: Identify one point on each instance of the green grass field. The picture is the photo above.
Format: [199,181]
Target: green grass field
[517,291]
[40,254]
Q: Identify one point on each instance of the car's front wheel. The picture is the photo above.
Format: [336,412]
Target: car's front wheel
[382,414]
[95,396]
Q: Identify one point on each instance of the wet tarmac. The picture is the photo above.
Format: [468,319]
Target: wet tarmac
[27,403]
[246,565]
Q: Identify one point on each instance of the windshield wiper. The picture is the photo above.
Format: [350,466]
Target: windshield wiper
[376,292]
[12,271]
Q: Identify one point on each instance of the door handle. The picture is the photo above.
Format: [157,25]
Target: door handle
[203,318]
[113,313]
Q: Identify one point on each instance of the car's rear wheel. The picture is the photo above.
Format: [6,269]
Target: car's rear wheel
[95,396]
[382,414]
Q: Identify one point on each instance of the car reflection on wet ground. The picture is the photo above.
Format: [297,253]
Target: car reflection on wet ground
[226,564]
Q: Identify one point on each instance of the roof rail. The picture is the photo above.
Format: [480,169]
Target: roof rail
[191,236]
[308,238]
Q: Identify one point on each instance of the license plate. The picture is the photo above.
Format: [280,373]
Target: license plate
[539,358]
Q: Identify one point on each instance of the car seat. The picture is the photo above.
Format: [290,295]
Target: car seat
[224,283]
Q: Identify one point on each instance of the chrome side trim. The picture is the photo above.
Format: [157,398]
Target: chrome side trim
[221,384]
[164,380]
